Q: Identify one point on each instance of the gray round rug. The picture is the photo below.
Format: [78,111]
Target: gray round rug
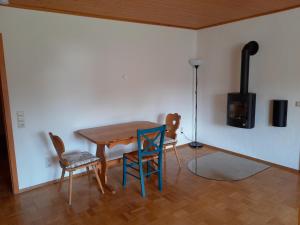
[225,167]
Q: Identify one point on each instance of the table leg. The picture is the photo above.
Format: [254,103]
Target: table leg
[103,173]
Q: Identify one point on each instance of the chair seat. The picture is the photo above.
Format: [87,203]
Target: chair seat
[169,141]
[133,156]
[77,159]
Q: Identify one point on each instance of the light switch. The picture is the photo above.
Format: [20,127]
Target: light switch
[20,119]
[297,104]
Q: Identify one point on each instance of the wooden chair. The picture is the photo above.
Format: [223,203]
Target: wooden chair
[73,161]
[150,146]
[172,122]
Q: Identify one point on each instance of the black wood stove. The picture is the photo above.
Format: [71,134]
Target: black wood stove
[241,106]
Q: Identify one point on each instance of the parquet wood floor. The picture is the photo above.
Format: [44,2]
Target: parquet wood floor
[271,197]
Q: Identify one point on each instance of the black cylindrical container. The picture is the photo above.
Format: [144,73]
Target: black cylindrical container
[280,108]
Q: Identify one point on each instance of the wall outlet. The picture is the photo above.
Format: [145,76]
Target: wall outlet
[181,130]
[297,104]
[48,162]
[124,77]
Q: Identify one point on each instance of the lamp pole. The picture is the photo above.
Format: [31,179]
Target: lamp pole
[195,143]
[196,105]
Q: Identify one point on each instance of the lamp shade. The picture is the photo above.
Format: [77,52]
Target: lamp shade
[195,62]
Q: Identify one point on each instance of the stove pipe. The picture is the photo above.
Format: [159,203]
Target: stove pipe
[249,49]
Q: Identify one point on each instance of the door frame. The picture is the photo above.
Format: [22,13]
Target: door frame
[8,122]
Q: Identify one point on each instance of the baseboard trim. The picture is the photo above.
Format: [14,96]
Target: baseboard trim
[111,163]
[49,183]
[116,162]
[254,159]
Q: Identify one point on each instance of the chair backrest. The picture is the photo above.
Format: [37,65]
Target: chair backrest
[58,145]
[172,122]
[150,141]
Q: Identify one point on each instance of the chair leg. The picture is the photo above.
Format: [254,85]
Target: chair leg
[98,179]
[61,179]
[70,187]
[124,171]
[160,175]
[142,180]
[177,157]
[88,172]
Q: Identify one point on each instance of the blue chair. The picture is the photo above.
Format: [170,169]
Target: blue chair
[149,153]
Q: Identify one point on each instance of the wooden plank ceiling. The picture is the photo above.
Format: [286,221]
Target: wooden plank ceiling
[193,14]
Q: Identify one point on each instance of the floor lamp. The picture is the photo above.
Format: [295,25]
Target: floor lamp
[196,63]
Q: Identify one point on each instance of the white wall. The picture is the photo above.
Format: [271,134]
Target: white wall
[65,72]
[274,74]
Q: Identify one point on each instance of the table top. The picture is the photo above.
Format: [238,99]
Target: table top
[115,133]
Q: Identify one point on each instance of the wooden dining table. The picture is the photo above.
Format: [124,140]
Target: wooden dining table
[110,136]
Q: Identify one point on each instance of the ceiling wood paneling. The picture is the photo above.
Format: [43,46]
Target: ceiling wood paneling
[193,14]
